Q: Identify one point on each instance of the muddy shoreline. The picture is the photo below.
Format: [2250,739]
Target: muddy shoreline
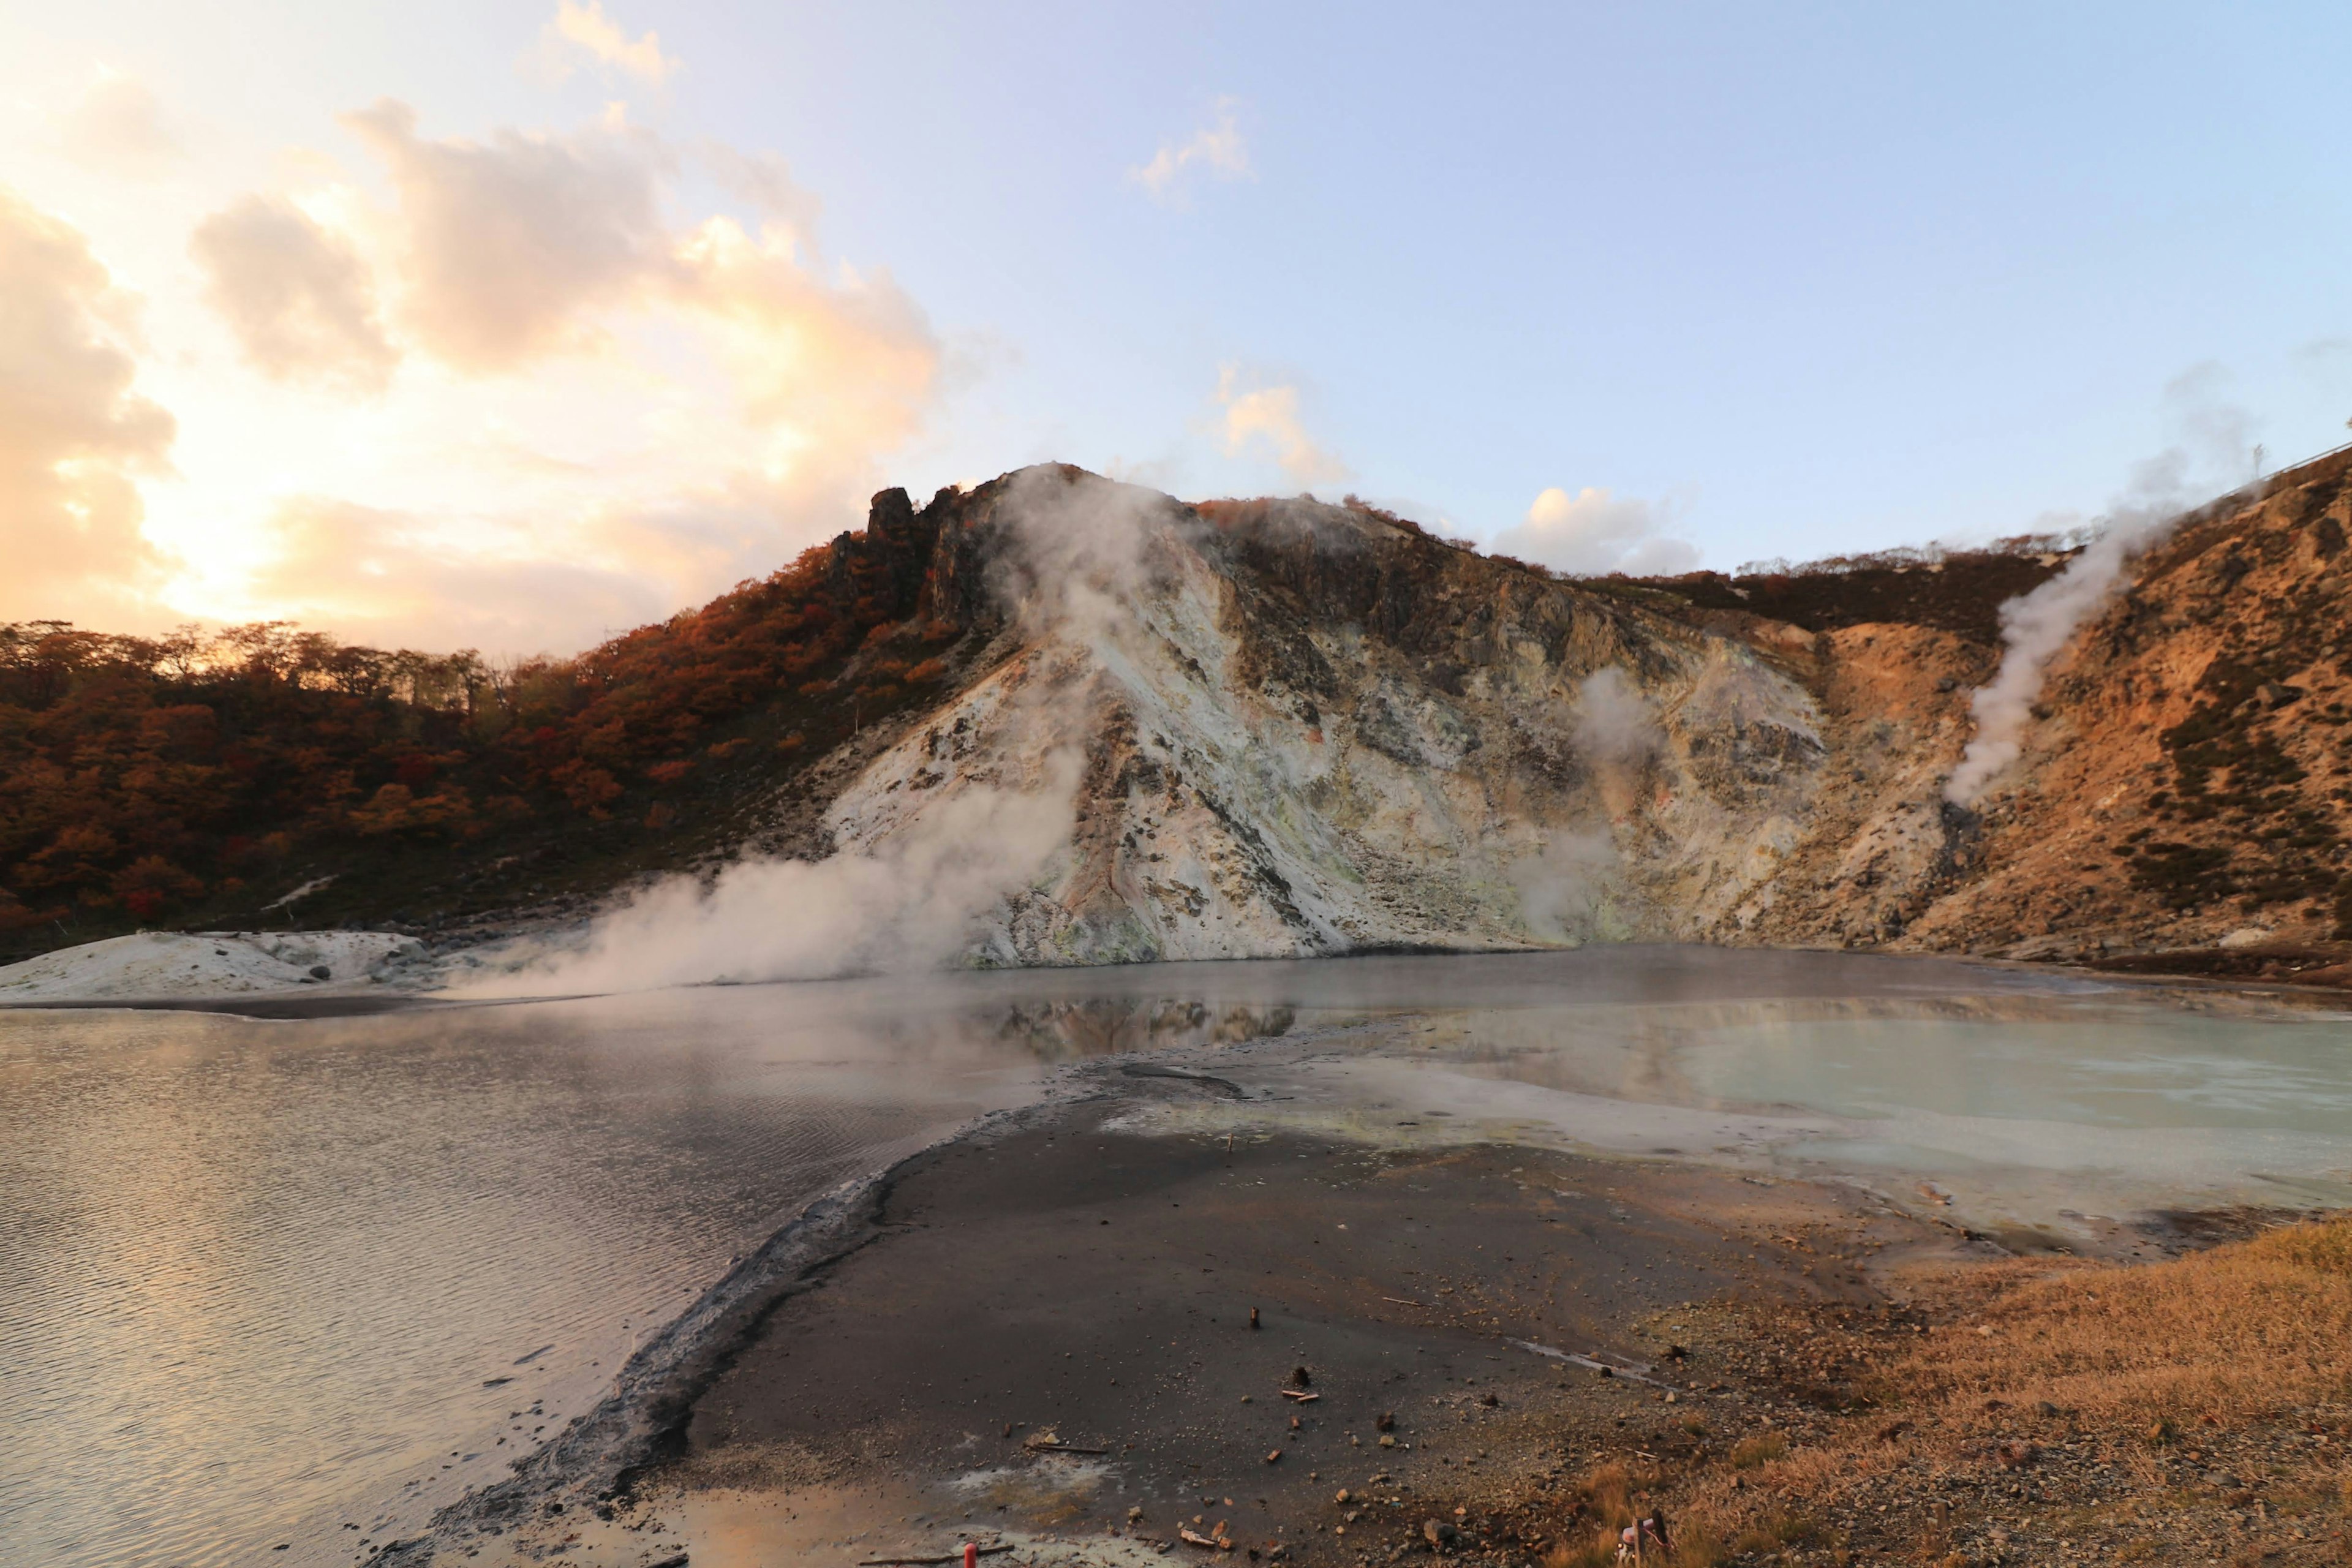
[1038,1334]
[1041,1335]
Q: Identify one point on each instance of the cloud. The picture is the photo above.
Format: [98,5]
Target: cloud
[1592,533]
[1269,415]
[847,365]
[588,30]
[73,434]
[722,400]
[118,129]
[1217,148]
[505,244]
[298,298]
[392,577]
[765,182]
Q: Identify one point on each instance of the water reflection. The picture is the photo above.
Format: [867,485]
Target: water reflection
[259,1280]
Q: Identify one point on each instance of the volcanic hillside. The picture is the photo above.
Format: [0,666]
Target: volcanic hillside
[1261,728]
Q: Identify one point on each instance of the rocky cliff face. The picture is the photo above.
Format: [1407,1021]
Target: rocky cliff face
[2188,780]
[1302,728]
[1284,728]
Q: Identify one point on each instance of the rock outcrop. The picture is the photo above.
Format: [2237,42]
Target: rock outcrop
[1295,728]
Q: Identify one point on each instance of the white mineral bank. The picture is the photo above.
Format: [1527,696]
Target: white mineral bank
[169,965]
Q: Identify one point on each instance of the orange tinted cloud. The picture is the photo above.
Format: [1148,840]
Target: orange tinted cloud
[1268,417]
[1592,533]
[73,434]
[299,300]
[587,29]
[118,129]
[390,577]
[506,243]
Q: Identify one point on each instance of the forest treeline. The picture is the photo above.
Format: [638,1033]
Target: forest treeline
[157,779]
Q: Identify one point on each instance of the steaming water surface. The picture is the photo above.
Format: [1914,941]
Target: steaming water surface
[259,1279]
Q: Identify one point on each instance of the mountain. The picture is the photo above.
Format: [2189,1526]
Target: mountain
[1055,719]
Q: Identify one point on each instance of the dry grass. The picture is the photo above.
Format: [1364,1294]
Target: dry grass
[2251,1337]
[2235,1333]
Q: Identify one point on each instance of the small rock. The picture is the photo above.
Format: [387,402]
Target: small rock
[320,972]
[1439,1535]
[1385,1421]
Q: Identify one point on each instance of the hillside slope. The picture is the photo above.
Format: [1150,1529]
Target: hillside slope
[1055,719]
[2189,780]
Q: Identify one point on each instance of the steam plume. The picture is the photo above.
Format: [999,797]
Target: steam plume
[916,878]
[2035,625]
[908,902]
[1613,722]
[1564,889]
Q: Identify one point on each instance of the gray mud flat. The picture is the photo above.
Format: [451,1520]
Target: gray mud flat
[1050,1329]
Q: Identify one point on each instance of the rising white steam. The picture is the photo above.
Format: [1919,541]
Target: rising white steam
[1564,889]
[1613,724]
[2035,625]
[908,902]
[920,873]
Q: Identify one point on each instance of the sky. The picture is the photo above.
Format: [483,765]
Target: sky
[514,323]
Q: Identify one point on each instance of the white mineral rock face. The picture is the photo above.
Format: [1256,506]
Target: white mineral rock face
[1253,781]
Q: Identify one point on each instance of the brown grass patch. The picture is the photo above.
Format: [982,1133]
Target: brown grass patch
[2231,1334]
[2031,1371]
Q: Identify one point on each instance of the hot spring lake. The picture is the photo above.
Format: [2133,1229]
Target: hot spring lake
[260,1281]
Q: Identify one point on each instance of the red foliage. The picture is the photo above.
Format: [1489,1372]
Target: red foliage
[135,772]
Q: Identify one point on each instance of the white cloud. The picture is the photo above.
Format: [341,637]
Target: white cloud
[505,245]
[1217,148]
[1268,416]
[604,414]
[298,298]
[73,434]
[118,129]
[765,181]
[588,30]
[1592,533]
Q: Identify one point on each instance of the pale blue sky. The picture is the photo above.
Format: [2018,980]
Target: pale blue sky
[1807,277]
